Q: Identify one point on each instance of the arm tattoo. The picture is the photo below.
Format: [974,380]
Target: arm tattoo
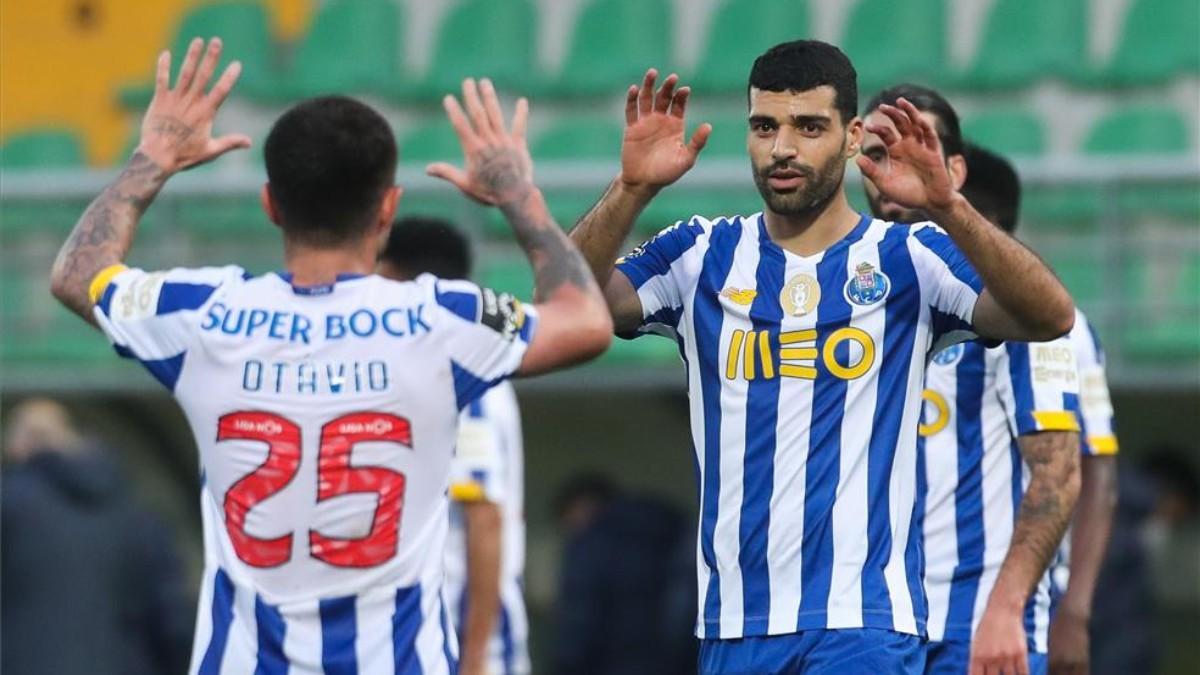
[556,262]
[1053,459]
[105,232]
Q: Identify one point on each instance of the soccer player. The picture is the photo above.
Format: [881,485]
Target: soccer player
[324,399]
[993,186]
[485,553]
[1001,447]
[806,329]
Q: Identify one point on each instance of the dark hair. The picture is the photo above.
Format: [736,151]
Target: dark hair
[584,486]
[807,64]
[926,100]
[1172,469]
[329,161]
[992,186]
[424,244]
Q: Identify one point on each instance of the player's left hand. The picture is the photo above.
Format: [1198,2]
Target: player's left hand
[497,168]
[914,173]
[1069,644]
[998,647]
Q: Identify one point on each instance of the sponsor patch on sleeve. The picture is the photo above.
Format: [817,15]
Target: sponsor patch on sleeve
[502,313]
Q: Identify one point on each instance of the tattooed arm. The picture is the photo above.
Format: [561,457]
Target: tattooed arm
[176,135]
[1045,511]
[573,322]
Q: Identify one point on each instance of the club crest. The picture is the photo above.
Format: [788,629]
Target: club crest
[800,295]
[948,356]
[868,285]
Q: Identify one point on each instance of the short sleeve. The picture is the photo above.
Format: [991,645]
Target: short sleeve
[486,334]
[1044,386]
[476,471]
[950,286]
[1099,435]
[660,270]
[152,316]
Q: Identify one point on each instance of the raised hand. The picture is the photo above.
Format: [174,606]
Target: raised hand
[177,128]
[914,173]
[497,168]
[654,153]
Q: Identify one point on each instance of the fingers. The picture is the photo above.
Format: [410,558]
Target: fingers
[884,132]
[646,95]
[491,106]
[631,105]
[162,76]
[520,119]
[458,120]
[221,89]
[662,100]
[899,118]
[870,170]
[208,66]
[229,142]
[475,109]
[188,70]
[449,173]
[679,101]
[699,138]
[929,137]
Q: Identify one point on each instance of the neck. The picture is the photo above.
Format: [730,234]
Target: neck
[814,231]
[318,266]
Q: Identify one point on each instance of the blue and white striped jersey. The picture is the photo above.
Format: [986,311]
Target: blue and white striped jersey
[805,378]
[978,401]
[488,465]
[326,419]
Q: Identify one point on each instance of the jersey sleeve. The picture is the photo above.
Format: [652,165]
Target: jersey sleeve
[950,286]
[1042,386]
[152,316]
[476,471]
[486,334]
[660,270]
[1098,433]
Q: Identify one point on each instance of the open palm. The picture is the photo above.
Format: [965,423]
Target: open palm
[654,152]
[914,174]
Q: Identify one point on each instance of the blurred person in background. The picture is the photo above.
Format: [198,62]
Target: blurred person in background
[1001,452]
[1172,531]
[485,548]
[90,582]
[626,599]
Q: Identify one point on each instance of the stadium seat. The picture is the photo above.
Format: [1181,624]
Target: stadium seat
[485,38]
[1161,38]
[352,47]
[740,30]
[1010,132]
[431,141]
[1080,274]
[612,45]
[728,139]
[650,350]
[1167,325]
[508,275]
[1024,40]
[590,137]
[1143,130]
[915,34]
[243,27]
[51,148]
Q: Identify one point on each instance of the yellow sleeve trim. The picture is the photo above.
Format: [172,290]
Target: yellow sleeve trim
[101,281]
[466,492]
[1103,445]
[1057,420]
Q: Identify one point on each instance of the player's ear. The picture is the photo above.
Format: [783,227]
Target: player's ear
[957,166]
[387,208]
[855,132]
[268,204]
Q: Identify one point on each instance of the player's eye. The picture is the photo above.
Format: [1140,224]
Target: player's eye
[875,154]
[811,129]
[762,127]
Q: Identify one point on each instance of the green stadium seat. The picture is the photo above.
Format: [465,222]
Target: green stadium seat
[1080,274]
[353,46]
[1144,130]
[243,27]
[1025,40]
[915,34]
[740,30]
[49,148]
[1010,132]
[509,275]
[1161,39]
[431,141]
[1166,325]
[650,350]
[613,43]
[580,138]
[220,216]
[728,139]
[486,38]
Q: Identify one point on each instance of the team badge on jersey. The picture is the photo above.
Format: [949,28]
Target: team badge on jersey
[502,313]
[739,295]
[800,295]
[868,285]
[948,356]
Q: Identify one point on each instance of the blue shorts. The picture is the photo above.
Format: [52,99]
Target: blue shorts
[953,657]
[850,651]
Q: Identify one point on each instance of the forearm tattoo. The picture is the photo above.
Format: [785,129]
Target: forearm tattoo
[1046,508]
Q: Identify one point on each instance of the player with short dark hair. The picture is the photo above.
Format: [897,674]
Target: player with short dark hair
[324,399]
[806,330]
[425,245]
[992,186]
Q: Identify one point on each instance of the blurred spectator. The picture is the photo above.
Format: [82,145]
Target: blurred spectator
[1172,533]
[627,600]
[90,583]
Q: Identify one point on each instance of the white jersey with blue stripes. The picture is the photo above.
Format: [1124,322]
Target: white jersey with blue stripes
[805,378]
[488,465]
[326,419]
[978,401]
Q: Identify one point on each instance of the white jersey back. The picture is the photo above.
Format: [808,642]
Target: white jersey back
[326,418]
[489,465]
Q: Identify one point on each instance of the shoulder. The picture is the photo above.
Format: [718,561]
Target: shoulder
[137,293]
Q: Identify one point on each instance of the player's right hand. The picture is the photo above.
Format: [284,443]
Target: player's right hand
[654,153]
[177,128]
[998,647]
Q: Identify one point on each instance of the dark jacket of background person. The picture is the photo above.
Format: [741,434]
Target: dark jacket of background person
[627,601]
[90,583]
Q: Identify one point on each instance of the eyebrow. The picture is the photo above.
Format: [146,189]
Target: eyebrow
[795,119]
